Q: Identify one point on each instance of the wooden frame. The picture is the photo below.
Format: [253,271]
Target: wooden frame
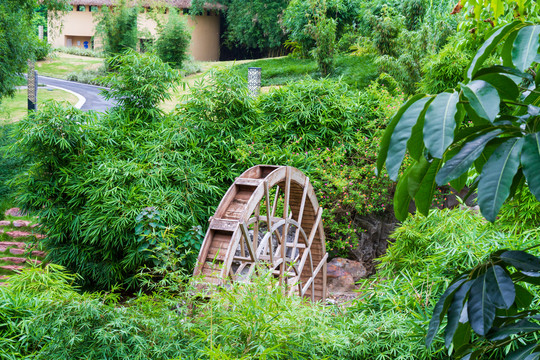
[269,218]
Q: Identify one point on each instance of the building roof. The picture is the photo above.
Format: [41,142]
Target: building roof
[181,4]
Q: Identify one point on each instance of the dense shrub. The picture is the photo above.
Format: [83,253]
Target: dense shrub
[88,76]
[42,49]
[118,28]
[414,11]
[73,50]
[444,70]
[42,315]
[91,176]
[325,38]
[173,42]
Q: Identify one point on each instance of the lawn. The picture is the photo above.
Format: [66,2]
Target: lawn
[14,109]
[356,71]
[60,65]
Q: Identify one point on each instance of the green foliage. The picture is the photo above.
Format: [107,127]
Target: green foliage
[138,82]
[73,50]
[10,164]
[118,28]
[496,150]
[91,176]
[88,76]
[443,71]
[414,11]
[173,42]
[325,38]
[42,49]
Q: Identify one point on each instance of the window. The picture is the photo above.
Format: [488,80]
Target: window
[94,8]
[81,8]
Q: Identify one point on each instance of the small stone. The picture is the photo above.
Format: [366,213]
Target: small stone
[338,280]
[355,268]
[16,212]
[3,249]
[21,223]
[5,223]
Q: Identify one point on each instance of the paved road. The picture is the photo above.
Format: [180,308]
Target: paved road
[94,101]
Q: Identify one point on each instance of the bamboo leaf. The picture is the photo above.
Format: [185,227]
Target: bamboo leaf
[497,176]
[440,123]
[522,353]
[401,134]
[525,47]
[483,99]
[530,160]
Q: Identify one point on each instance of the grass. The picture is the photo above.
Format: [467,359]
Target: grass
[356,71]
[14,109]
[60,65]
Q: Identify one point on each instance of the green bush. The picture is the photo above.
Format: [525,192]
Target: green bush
[325,37]
[88,76]
[173,42]
[444,70]
[118,28]
[93,175]
[414,11]
[42,49]
[73,50]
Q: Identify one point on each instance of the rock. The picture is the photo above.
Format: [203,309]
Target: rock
[21,223]
[37,253]
[20,234]
[3,249]
[16,212]
[338,280]
[355,268]
[5,223]
[18,244]
[34,226]
[373,240]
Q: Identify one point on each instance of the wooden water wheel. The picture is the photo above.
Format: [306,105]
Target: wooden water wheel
[269,218]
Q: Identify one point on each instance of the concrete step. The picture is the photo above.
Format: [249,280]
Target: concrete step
[13,268]
[16,251]
[18,244]
[22,234]
[19,260]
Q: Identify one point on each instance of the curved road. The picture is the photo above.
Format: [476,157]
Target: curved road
[94,101]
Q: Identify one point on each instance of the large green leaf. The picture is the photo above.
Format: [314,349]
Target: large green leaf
[440,123]
[401,134]
[385,141]
[525,47]
[441,307]
[454,312]
[489,45]
[498,69]
[497,176]
[523,353]
[501,291]
[402,199]
[521,260]
[424,196]
[416,175]
[530,161]
[506,87]
[521,326]
[481,311]
[461,162]
[483,99]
